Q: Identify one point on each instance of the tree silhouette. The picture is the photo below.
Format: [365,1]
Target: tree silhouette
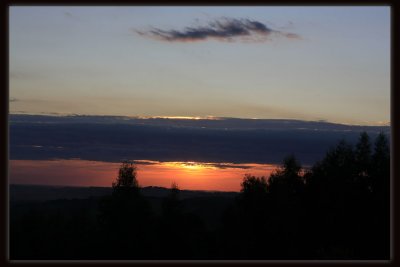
[380,206]
[243,235]
[363,160]
[287,179]
[172,205]
[181,234]
[253,187]
[381,164]
[363,155]
[126,218]
[286,189]
[126,176]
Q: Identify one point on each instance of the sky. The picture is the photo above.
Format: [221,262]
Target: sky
[309,63]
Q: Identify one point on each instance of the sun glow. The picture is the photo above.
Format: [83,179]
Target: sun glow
[190,165]
[187,174]
[179,117]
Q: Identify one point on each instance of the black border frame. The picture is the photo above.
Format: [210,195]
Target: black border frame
[395,122]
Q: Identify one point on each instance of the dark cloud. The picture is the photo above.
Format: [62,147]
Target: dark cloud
[225,29]
[229,165]
[246,141]
[146,162]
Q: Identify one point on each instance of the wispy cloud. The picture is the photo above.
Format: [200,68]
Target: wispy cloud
[68,15]
[224,29]
[13,99]
[71,16]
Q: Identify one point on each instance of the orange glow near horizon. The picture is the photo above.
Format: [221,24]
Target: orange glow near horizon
[187,175]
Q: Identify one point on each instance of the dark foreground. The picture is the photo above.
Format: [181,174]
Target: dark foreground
[340,209]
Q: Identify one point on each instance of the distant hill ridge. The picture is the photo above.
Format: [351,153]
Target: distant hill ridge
[19,193]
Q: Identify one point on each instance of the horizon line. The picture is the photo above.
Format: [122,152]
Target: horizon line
[208,117]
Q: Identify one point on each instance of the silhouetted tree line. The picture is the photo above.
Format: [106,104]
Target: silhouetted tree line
[337,209]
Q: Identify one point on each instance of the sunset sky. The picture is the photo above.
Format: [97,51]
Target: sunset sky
[193,176]
[309,63]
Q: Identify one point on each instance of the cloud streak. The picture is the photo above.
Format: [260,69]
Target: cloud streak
[69,15]
[225,29]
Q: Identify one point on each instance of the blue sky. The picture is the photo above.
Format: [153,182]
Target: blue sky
[91,60]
